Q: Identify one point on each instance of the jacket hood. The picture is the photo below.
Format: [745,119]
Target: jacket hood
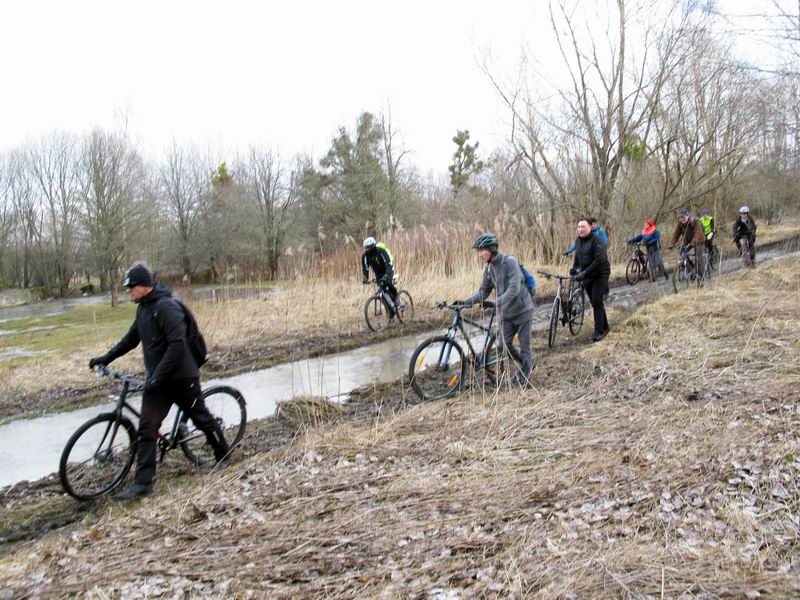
[159,291]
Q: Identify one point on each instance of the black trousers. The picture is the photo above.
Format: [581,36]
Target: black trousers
[596,289]
[187,395]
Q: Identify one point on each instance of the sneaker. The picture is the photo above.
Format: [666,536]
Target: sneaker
[137,490]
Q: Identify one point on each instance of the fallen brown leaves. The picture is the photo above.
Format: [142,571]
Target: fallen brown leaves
[662,462]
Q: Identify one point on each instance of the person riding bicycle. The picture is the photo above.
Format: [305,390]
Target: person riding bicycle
[591,268]
[709,229]
[377,257]
[745,228]
[651,237]
[172,373]
[513,303]
[597,230]
[690,229]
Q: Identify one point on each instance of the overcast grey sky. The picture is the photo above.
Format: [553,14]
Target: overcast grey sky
[285,74]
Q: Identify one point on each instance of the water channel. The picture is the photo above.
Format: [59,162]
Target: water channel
[31,448]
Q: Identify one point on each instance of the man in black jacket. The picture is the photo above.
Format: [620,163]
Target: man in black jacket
[172,373]
[591,267]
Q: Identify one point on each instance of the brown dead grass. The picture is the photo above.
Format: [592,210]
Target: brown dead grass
[662,462]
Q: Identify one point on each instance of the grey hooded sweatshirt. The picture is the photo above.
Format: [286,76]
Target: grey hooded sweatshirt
[504,275]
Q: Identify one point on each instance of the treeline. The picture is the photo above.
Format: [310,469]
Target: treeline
[657,115]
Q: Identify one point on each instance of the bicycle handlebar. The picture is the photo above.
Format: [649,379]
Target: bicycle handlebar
[442,304]
[135,384]
[553,276]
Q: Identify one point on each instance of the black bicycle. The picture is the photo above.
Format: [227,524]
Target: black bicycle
[574,302]
[687,271]
[379,309]
[439,365]
[99,455]
[637,266]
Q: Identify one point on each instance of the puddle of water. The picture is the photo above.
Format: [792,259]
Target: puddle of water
[14,352]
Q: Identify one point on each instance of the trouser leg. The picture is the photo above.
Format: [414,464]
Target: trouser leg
[521,326]
[155,406]
[189,397]
[596,290]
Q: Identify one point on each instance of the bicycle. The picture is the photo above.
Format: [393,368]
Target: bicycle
[99,455]
[637,266]
[744,252]
[574,307]
[438,366]
[686,273]
[380,309]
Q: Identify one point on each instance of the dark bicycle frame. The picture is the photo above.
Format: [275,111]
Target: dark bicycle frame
[457,325]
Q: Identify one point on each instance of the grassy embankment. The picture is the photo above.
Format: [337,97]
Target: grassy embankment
[304,317]
[661,462]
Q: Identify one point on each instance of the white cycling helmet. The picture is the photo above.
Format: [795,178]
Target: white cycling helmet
[369,242]
[744,209]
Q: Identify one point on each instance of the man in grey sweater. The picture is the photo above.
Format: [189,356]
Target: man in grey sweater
[513,304]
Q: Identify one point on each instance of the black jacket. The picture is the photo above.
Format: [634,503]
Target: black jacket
[377,259]
[160,326]
[746,229]
[591,257]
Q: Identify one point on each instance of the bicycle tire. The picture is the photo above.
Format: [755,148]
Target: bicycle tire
[376,312]
[228,407]
[405,307]
[577,309]
[430,379]
[633,271]
[714,260]
[551,337]
[98,456]
[680,278]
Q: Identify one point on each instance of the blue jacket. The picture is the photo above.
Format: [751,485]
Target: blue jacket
[652,240]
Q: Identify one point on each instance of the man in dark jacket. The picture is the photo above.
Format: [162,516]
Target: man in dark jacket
[592,269]
[745,228]
[513,303]
[172,373]
[379,260]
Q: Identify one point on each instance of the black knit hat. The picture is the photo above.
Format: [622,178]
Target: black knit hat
[138,275]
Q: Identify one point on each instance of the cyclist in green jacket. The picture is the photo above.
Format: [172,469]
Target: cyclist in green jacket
[709,229]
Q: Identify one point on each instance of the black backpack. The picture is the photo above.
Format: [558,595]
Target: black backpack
[194,339]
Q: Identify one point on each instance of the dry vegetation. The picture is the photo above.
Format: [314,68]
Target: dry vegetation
[660,463]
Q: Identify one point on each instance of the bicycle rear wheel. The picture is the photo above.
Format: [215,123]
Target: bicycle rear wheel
[97,457]
[405,307]
[633,271]
[227,406]
[577,307]
[551,338]
[714,260]
[376,313]
[437,368]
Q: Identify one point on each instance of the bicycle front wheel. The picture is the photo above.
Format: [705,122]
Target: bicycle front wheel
[551,338]
[405,307]
[713,260]
[97,457]
[437,368]
[226,404]
[577,307]
[376,313]
[680,278]
[633,271]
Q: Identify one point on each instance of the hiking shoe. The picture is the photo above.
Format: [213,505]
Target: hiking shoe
[137,490]
[599,336]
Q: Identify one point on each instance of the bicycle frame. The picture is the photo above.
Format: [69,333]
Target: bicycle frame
[458,326]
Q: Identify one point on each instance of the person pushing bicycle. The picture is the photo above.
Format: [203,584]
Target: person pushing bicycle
[172,373]
[691,230]
[591,268]
[377,257]
[513,304]
[651,237]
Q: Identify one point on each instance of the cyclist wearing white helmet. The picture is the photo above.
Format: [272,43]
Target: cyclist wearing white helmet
[745,227]
[377,258]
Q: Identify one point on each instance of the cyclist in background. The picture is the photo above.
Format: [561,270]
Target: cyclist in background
[376,257]
[651,237]
[591,268]
[709,229]
[745,227]
[597,230]
[690,231]
[513,304]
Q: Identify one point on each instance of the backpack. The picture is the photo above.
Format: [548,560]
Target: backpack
[530,280]
[194,339]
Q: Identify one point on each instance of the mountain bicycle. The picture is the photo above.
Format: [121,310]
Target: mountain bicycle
[379,310]
[439,364]
[637,266]
[99,455]
[744,253]
[686,271]
[574,302]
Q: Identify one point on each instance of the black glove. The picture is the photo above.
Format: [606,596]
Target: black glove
[99,361]
[573,270]
[150,384]
[631,242]
[579,276]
